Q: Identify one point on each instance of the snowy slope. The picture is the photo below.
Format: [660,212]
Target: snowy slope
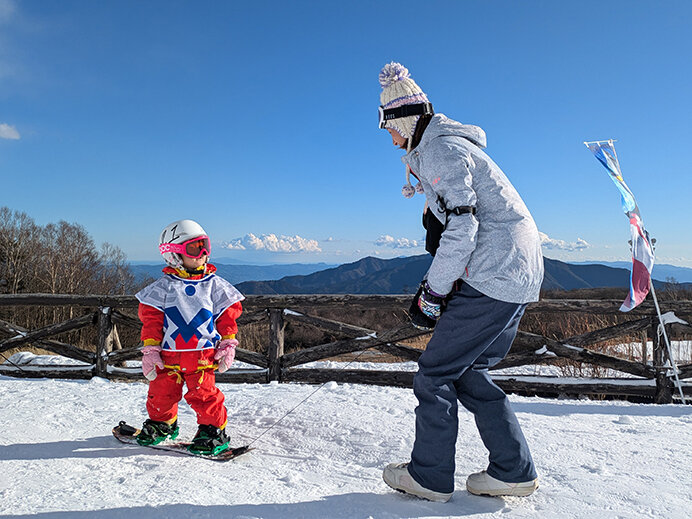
[324,460]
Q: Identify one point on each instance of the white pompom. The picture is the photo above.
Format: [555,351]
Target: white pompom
[393,72]
[408,191]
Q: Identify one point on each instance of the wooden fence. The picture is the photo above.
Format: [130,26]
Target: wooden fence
[643,380]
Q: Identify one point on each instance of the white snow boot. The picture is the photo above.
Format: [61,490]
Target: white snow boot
[397,476]
[483,484]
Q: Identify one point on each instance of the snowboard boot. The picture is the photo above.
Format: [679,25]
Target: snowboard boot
[153,432]
[209,440]
[483,484]
[397,476]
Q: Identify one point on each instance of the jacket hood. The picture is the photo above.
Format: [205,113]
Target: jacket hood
[440,126]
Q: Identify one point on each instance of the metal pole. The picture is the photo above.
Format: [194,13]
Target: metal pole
[276,344]
[667,342]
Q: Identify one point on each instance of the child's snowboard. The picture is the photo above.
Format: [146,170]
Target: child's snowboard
[128,434]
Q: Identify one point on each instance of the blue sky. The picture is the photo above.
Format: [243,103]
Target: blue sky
[258,119]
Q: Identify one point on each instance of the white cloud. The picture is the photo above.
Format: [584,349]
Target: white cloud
[552,244]
[396,243]
[8,132]
[273,243]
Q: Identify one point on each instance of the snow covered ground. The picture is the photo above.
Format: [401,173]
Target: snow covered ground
[324,460]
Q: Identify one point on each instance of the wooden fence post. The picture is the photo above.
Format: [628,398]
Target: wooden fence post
[276,343]
[664,386]
[645,348]
[105,341]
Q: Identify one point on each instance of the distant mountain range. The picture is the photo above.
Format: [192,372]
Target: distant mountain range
[238,273]
[661,272]
[366,276]
[402,275]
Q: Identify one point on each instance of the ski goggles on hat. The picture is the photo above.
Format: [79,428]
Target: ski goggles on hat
[193,248]
[403,111]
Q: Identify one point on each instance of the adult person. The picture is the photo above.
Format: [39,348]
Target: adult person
[487,266]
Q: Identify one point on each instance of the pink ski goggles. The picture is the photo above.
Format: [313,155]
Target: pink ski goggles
[194,248]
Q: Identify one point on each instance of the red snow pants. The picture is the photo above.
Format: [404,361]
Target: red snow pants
[194,369]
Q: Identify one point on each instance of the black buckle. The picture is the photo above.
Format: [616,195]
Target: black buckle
[462,209]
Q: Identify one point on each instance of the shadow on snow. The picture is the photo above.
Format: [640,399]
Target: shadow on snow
[342,506]
[97,447]
[573,407]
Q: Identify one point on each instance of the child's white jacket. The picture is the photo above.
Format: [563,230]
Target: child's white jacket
[190,307]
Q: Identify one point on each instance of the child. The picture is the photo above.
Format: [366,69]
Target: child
[189,321]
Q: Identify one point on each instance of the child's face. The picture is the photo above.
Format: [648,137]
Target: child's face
[194,263]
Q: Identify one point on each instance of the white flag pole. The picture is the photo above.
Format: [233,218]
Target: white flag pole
[665,337]
[611,141]
[653,294]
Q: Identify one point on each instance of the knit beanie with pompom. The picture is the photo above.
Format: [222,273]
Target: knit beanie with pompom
[399,89]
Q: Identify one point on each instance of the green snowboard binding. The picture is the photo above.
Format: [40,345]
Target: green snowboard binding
[209,440]
[153,432]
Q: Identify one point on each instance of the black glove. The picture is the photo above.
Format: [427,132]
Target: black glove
[429,300]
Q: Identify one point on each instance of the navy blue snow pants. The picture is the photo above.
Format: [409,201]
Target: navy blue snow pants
[474,333]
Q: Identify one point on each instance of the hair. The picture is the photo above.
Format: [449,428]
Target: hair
[421,125]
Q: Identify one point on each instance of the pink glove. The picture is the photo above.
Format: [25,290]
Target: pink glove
[225,353]
[151,358]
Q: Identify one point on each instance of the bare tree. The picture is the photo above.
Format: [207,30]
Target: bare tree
[673,290]
[18,243]
[72,256]
[59,258]
[115,275]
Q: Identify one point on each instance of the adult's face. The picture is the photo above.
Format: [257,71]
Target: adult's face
[397,139]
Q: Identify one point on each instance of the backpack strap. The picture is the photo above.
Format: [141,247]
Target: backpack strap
[459,210]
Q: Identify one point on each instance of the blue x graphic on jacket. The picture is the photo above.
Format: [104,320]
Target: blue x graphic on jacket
[188,330]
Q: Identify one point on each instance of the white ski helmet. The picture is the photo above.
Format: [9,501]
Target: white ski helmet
[179,232]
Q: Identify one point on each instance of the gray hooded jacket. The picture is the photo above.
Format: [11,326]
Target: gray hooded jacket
[497,251]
